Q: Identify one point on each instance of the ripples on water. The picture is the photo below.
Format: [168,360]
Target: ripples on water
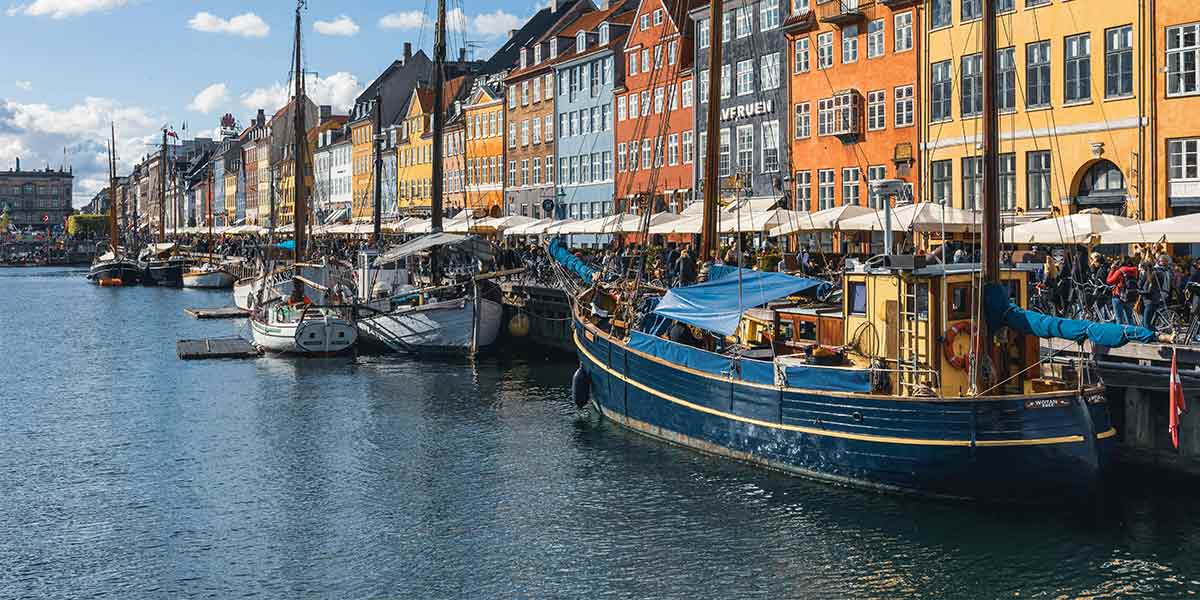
[129,474]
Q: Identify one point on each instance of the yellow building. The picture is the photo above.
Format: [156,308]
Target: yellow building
[414,154]
[231,189]
[362,154]
[1069,89]
[1173,118]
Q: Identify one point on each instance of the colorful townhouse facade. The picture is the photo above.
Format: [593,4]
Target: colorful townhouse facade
[483,120]
[414,150]
[454,194]
[1072,107]
[1175,154]
[854,100]
[530,109]
[655,132]
[334,175]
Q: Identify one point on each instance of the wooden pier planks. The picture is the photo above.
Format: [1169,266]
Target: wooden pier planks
[215,348]
[227,312]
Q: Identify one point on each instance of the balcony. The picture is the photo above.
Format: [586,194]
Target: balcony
[898,4]
[843,12]
[801,23]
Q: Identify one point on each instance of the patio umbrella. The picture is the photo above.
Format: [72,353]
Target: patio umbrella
[823,220]
[1070,229]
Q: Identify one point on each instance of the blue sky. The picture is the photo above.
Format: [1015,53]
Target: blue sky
[73,65]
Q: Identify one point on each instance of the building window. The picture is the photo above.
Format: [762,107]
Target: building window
[771,71]
[825,116]
[658,100]
[1037,175]
[745,77]
[688,148]
[658,16]
[632,64]
[673,149]
[1003,6]
[685,89]
[1103,179]
[621,148]
[525,172]
[726,81]
[658,152]
[644,21]
[971,100]
[633,105]
[605,117]
[874,174]
[940,14]
[603,34]
[672,51]
[904,106]
[1183,159]
[548,86]
[658,56]
[745,148]
[647,154]
[1007,185]
[1118,62]
[875,38]
[1077,71]
[770,147]
[745,21]
[903,31]
[1006,79]
[702,33]
[645,103]
[971,10]
[549,128]
[972,181]
[876,110]
[825,50]
[524,133]
[942,182]
[524,93]
[803,122]
[849,44]
[801,63]
[724,163]
[1037,74]
[939,96]
[512,173]
[803,190]
[851,193]
[825,188]
[770,15]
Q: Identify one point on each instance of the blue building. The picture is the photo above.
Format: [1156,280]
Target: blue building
[587,73]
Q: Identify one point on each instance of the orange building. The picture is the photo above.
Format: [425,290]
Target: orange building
[655,109]
[855,97]
[483,119]
[1175,158]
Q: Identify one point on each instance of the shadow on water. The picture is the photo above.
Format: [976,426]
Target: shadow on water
[129,473]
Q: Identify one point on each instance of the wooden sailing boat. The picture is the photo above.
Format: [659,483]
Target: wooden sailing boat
[210,274]
[113,268]
[164,265]
[307,318]
[924,378]
[455,318]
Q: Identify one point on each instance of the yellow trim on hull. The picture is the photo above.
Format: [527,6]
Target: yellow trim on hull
[862,437]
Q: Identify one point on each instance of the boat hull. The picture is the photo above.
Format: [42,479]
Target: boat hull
[1046,448]
[440,328]
[118,272]
[208,280]
[316,336]
[164,274]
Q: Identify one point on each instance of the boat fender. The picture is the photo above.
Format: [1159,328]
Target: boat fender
[956,360]
[518,326]
[581,387]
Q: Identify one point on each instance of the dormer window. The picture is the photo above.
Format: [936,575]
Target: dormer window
[524,57]
[603,34]
[537,54]
[554,48]
[581,41]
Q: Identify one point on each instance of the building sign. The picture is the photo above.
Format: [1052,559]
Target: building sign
[745,111]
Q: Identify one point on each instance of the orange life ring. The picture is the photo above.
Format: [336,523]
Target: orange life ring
[958,361]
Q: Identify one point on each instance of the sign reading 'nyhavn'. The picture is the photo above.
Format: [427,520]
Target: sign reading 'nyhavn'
[745,111]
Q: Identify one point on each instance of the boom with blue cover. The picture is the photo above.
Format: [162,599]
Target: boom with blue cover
[1001,311]
[717,306]
[560,253]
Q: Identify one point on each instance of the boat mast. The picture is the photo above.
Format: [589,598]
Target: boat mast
[377,218]
[162,189]
[210,219]
[439,62]
[301,214]
[712,147]
[991,199]
[112,191]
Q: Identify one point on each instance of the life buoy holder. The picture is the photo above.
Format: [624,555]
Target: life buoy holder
[956,360]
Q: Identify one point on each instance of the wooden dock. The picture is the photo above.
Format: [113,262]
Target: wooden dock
[215,348]
[227,312]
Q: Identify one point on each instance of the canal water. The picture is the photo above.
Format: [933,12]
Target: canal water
[126,473]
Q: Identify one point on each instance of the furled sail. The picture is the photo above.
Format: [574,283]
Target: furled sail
[564,257]
[1002,311]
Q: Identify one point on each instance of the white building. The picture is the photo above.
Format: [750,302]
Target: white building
[333,179]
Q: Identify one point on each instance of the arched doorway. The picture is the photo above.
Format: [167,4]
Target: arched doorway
[1103,186]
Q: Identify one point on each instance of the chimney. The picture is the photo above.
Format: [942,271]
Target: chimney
[553,6]
[462,55]
[511,33]
[407,51]
[262,117]
[18,164]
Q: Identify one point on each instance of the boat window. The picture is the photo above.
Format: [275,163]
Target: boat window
[960,302]
[806,330]
[785,330]
[857,298]
[922,293]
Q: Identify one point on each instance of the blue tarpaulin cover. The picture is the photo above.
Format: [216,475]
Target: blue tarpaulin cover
[687,356]
[570,261]
[1001,310]
[830,379]
[715,305]
[288,245]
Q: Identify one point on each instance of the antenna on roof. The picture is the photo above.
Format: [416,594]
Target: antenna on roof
[471,46]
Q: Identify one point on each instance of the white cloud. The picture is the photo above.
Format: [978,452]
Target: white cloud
[38,133]
[495,24]
[24,85]
[412,19]
[338,90]
[456,20]
[210,98]
[244,25]
[342,26]
[61,9]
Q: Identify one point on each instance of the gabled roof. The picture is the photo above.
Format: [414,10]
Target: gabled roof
[509,54]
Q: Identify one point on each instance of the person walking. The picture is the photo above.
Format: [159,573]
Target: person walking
[686,267]
[1155,289]
[1123,278]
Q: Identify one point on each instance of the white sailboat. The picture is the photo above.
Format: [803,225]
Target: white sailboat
[209,276]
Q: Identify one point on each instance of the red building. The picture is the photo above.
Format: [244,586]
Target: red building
[655,136]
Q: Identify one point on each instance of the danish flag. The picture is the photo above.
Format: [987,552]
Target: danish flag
[1178,405]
